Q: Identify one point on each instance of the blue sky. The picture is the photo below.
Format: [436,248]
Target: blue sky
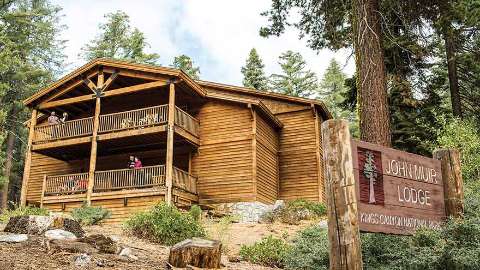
[217,34]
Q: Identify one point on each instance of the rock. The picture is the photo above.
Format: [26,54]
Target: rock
[74,227]
[28,224]
[196,252]
[13,238]
[70,246]
[279,204]
[101,242]
[128,253]
[59,234]
[82,260]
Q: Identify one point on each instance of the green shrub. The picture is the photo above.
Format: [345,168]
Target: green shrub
[196,212]
[296,210]
[270,251]
[309,250]
[22,211]
[164,224]
[90,215]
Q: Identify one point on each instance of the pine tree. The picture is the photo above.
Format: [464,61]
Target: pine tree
[253,73]
[296,79]
[185,63]
[118,40]
[332,90]
[30,57]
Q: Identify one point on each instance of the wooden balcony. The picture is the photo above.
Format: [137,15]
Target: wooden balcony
[117,125]
[126,180]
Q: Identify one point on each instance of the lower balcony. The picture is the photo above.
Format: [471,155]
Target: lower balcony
[122,183]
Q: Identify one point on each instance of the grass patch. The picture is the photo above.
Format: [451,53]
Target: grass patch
[90,215]
[22,211]
[270,251]
[164,224]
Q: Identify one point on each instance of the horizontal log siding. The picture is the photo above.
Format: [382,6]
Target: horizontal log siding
[41,165]
[134,205]
[267,162]
[298,161]
[223,163]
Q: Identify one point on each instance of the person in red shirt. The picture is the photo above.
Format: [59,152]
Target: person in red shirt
[138,163]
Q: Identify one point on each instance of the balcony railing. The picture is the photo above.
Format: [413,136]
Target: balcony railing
[183,180]
[134,119]
[186,121]
[148,176]
[69,129]
[66,184]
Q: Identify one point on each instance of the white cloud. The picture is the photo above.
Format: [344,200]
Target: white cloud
[217,34]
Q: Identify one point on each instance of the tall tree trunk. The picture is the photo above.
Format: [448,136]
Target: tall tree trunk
[450,51]
[371,81]
[8,168]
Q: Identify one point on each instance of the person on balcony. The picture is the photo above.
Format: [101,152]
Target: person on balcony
[64,118]
[138,163]
[131,162]
[53,119]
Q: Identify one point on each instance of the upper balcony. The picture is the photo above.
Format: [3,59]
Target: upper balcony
[117,125]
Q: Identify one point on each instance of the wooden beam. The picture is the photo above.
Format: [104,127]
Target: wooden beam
[170,133]
[28,158]
[452,181]
[93,151]
[318,155]
[90,84]
[134,88]
[67,89]
[343,224]
[110,80]
[132,132]
[66,101]
[187,135]
[44,185]
[64,142]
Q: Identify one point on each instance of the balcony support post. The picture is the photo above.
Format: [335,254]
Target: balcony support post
[44,186]
[169,154]
[28,158]
[93,151]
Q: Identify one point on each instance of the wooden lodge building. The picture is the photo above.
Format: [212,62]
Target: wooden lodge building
[200,142]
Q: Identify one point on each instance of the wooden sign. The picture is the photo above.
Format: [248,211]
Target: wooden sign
[397,192]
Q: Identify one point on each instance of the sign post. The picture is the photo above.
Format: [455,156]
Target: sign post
[343,229]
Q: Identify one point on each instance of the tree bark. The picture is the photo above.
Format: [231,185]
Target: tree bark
[371,81]
[450,51]
[196,252]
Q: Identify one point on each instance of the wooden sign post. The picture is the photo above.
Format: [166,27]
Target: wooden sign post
[372,188]
[343,229]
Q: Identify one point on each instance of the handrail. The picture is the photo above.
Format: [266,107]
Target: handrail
[138,118]
[69,129]
[148,176]
[186,121]
[183,180]
[66,184]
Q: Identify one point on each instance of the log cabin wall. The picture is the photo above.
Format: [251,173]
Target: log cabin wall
[223,163]
[267,161]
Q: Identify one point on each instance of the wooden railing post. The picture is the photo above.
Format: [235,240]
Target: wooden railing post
[93,150]
[343,227]
[44,186]
[28,158]
[169,154]
[452,181]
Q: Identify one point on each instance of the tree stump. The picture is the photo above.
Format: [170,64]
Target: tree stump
[196,252]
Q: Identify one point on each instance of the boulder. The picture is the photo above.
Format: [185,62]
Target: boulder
[196,252]
[13,238]
[101,242]
[59,234]
[28,224]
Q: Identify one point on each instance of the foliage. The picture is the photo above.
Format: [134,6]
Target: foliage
[270,251]
[185,63]
[221,231]
[296,79]
[90,215]
[464,136]
[295,211]
[309,250]
[22,211]
[196,212]
[119,41]
[253,73]
[164,224]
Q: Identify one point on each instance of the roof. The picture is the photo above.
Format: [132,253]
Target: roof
[197,85]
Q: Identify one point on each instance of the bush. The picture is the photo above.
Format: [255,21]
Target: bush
[296,210]
[90,215]
[309,250]
[164,224]
[22,211]
[196,212]
[270,251]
